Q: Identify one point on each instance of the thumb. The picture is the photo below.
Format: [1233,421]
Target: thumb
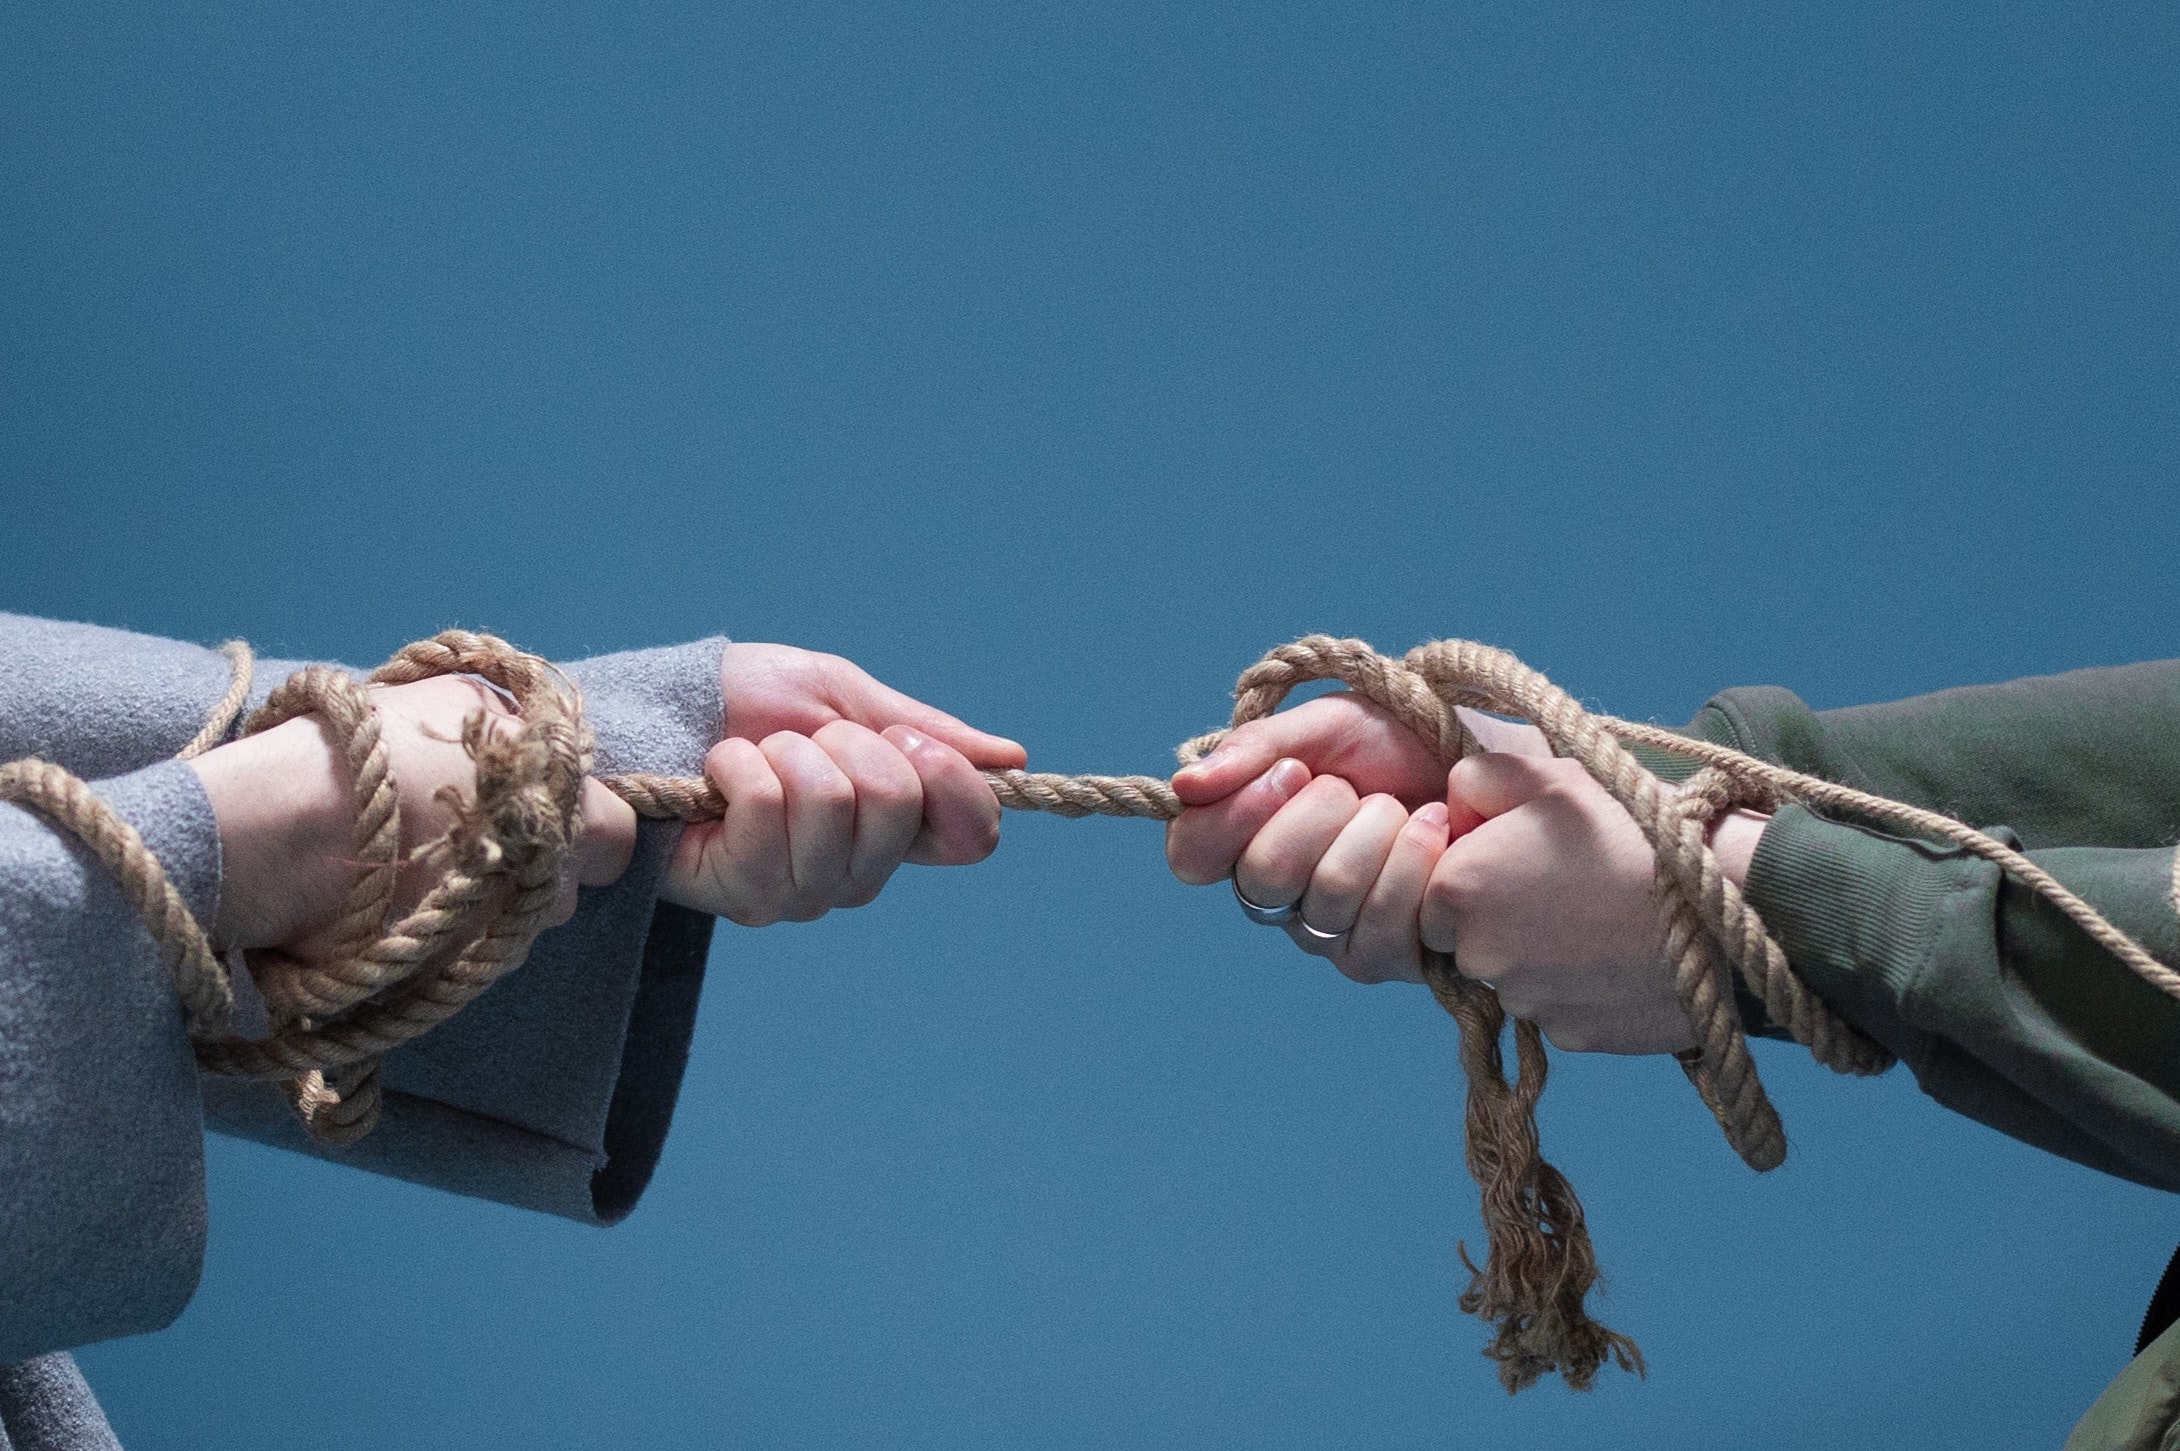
[869,702]
[1496,782]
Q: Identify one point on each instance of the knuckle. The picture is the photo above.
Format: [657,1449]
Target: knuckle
[1341,885]
[1334,788]
[764,793]
[893,796]
[1451,891]
[1278,861]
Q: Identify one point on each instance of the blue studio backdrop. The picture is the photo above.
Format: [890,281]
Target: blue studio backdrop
[1052,361]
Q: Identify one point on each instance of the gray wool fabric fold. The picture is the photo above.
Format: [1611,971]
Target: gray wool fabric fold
[553,1091]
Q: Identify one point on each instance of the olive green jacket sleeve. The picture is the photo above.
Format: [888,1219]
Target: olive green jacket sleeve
[2002,1008]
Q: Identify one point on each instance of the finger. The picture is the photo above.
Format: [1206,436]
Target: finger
[747,866]
[1335,735]
[1247,753]
[888,805]
[1320,733]
[1204,842]
[820,808]
[1276,867]
[1345,872]
[1459,878]
[564,903]
[960,815]
[876,705]
[1383,945]
[608,841]
[1496,782]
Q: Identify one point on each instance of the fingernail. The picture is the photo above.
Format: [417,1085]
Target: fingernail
[1288,776]
[1432,814]
[909,739]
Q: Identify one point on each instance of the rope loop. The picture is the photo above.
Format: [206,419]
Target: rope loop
[383,983]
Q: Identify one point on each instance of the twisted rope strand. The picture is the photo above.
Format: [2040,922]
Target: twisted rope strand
[1815,791]
[382,986]
[242,668]
[208,999]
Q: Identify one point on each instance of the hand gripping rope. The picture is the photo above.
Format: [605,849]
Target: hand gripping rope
[385,983]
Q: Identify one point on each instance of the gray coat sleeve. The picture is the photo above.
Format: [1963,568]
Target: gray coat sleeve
[45,1406]
[552,1091]
[101,1144]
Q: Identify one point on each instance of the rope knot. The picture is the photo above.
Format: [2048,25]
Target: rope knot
[384,984]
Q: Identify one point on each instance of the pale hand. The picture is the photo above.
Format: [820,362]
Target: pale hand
[281,798]
[832,780]
[1527,869]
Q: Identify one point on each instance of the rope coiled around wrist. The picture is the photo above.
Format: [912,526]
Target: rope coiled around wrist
[384,984]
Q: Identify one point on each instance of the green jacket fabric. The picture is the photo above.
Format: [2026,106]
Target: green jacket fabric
[2000,1007]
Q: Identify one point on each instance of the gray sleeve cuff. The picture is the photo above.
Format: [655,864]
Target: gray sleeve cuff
[555,1089]
[102,1207]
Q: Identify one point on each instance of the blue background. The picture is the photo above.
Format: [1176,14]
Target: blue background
[1052,362]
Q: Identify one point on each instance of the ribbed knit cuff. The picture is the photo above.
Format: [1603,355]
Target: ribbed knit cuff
[1858,913]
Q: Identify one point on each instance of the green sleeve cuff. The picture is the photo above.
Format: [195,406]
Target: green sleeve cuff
[1857,912]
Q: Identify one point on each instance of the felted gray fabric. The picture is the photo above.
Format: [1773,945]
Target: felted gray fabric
[101,1144]
[45,1406]
[552,1091]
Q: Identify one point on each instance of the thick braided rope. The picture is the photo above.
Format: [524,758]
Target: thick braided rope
[1540,1265]
[378,988]
[1840,800]
[502,857]
[340,1106]
[694,798]
[208,999]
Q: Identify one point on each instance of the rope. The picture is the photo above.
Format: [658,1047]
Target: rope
[1541,1264]
[381,985]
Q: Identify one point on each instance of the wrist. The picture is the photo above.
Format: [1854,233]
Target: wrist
[281,801]
[1509,737]
[1734,838]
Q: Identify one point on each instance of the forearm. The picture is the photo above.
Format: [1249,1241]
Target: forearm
[2002,1008]
[2079,759]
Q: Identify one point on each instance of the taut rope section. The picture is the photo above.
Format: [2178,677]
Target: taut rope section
[382,985]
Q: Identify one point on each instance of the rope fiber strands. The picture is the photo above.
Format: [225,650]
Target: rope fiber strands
[384,983]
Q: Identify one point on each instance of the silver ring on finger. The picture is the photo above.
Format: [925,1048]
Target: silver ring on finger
[1317,932]
[1265,916]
